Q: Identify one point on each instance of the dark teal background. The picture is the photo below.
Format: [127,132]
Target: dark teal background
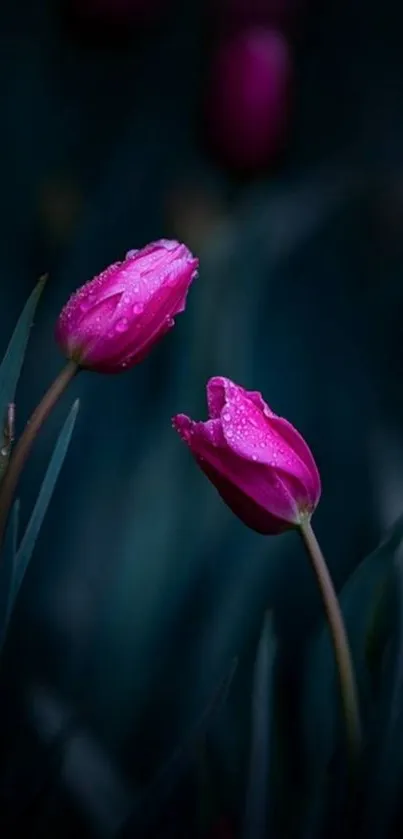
[143,585]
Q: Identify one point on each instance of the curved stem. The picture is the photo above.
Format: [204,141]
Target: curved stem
[342,654]
[23,447]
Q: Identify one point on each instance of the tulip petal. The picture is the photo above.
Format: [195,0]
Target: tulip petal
[216,396]
[258,434]
[219,389]
[146,321]
[243,484]
[112,322]
[294,440]
[257,461]
[248,510]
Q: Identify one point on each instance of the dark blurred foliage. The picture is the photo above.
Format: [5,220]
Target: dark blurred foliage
[143,586]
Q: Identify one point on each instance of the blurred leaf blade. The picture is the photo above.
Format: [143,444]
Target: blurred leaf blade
[10,367]
[256,806]
[365,589]
[57,459]
[153,799]
[7,569]
[386,779]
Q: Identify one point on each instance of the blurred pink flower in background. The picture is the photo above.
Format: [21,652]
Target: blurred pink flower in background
[259,463]
[248,98]
[112,322]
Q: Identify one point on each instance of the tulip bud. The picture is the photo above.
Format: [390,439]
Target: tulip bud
[248,101]
[112,322]
[258,462]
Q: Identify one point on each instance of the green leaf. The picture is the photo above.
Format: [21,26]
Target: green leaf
[256,807]
[386,777]
[10,368]
[364,599]
[28,541]
[7,567]
[206,793]
[152,801]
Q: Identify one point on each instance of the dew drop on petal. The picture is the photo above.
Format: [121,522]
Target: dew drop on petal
[122,325]
[226,417]
[138,308]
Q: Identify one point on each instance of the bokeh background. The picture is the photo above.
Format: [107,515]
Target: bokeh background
[143,586]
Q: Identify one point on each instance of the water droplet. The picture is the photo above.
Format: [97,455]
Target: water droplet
[230,432]
[263,445]
[254,457]
[138,308]
[226,417]
[122,325]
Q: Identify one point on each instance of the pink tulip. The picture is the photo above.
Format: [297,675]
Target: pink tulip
[112,322]
[248,101]
[258,462]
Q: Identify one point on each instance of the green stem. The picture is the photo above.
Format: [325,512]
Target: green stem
[342,654]
[23,447]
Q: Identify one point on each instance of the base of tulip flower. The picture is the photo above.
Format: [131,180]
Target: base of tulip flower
[342,654]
